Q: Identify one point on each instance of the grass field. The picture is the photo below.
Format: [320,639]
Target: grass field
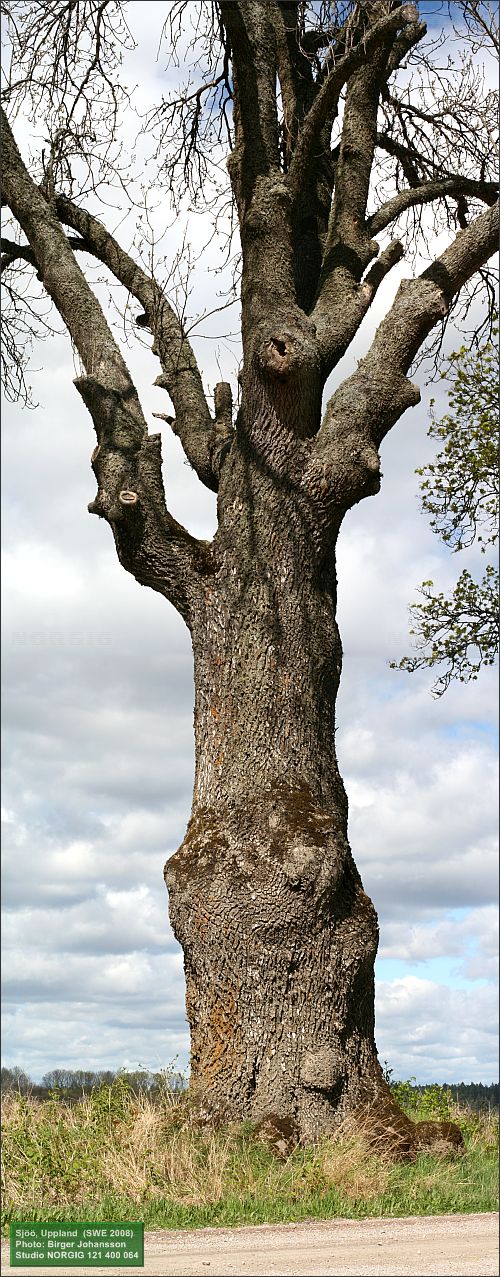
[116,1155]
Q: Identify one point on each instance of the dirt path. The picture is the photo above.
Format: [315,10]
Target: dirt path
[455,1245]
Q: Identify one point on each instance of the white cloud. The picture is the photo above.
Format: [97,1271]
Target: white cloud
[108,921]
[435,1033]
[460,947]
[41,572]
[450,936]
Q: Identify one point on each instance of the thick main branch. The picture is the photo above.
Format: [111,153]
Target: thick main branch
[249,28]
[259,189]
[344,455]
[126,461]
[349,246]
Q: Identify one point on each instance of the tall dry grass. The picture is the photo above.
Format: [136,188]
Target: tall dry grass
[113,1150]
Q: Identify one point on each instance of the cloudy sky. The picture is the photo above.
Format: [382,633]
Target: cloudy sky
[98,754]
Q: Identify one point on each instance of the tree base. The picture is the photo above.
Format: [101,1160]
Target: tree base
[279,943]
[381,1125]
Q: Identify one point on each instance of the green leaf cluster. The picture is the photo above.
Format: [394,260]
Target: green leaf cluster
[425,1103]
[459,631]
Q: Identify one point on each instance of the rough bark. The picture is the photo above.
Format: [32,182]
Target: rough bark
[278,935]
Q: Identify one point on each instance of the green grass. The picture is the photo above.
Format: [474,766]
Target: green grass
[116,1155]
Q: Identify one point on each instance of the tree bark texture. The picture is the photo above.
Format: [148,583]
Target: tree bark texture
[279,937]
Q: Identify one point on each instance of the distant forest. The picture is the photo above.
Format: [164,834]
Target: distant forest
[71,1084]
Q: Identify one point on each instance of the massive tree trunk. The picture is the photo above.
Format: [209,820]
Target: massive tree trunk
[279,937]
[279,943]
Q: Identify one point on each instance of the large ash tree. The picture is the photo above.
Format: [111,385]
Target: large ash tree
[351,141]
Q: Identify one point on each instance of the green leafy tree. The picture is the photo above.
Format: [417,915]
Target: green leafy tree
[458,631]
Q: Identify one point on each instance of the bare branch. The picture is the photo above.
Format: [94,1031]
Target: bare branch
[294,72]
[249,29]
[349,246]
[126,462]
[192,127]
[326,103]
[12,252]
[63,278]
[403,46]
[344,455]
[428,192]
[339,312]
[419,304]
[388,258]
[150,543]
[481,20]
[199,435]
[26,319]
[311,207]
[259,189]
[408,158]
[65,60]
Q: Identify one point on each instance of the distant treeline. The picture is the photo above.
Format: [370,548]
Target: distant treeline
[71,1084]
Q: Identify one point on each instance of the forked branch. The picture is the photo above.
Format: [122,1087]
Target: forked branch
[344,454]
[127,463]
[202,438]
[326,102]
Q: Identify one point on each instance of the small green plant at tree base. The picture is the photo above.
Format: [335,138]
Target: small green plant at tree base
[428,1103]
[435,1102]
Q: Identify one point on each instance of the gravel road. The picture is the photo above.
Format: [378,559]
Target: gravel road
[452,1245]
